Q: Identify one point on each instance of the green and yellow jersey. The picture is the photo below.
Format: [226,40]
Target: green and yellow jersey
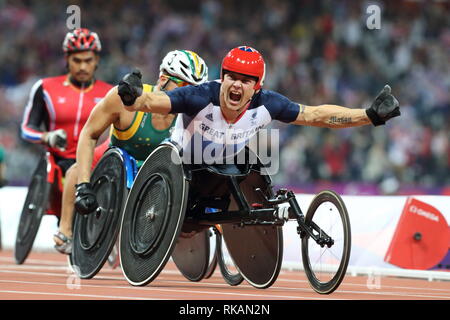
[140,138]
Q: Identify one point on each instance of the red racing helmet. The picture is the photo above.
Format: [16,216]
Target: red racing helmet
[81,39]
[245,60]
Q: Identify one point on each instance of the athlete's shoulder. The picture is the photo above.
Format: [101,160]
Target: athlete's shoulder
[55,80]
[209,90]
[192,99]
[270,96]
[278,105]
[212,85]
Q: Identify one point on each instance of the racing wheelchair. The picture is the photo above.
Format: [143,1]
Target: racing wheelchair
[170,198]
[43,197]
[95,235]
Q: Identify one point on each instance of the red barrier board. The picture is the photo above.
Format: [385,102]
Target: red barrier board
[421,239]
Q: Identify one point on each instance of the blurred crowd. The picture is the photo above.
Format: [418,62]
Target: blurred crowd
[317,52]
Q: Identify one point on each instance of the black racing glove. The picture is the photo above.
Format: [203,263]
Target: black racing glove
[86,200]
[130,87]
[383,108]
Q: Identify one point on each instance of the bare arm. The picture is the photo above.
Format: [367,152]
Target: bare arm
[331,116]
[105,113]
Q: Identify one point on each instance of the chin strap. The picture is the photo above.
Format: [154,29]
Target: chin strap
[163,87]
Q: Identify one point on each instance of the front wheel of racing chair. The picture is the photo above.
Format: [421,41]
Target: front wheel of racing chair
[325,259]
[95,234]
[35,205]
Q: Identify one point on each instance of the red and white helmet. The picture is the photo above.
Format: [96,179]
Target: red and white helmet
[81,39]
[245,60]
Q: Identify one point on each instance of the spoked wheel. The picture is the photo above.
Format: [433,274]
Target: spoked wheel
[32,212]
[95,234]
[231,275]
[326,262]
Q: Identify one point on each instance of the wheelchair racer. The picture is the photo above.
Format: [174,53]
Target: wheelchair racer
[58,107]
[138,133]
[226,113]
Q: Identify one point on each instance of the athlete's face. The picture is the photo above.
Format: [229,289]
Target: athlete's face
[82,65]
[236,91]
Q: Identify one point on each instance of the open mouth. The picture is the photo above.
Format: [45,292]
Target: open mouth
[235,96]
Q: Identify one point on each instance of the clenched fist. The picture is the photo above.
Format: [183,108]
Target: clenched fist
[383,108]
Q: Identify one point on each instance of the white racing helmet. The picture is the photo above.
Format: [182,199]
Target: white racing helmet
[185,65]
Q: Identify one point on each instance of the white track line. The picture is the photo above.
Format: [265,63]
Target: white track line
[344,283]
[36,261]
[226,285]
[179,291]
[76,295]
[51,268]
[269,293]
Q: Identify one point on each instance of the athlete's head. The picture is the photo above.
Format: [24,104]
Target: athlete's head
[82,47]
[182,67]
[242,73]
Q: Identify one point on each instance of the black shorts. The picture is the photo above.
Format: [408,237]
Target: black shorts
[64,164]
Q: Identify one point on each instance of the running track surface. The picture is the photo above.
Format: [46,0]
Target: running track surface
[46,276]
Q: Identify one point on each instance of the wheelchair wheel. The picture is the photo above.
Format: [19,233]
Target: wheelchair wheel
[153,215]
[326,266]
[32,212]
[191,256]
[230,277]
[256,250]
[95,234]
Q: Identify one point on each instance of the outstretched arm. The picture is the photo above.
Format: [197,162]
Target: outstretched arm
[131,93]
[382,109]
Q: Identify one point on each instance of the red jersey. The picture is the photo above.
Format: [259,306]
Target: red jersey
[56,103]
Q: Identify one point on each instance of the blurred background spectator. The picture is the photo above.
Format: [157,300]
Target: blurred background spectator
[316,52]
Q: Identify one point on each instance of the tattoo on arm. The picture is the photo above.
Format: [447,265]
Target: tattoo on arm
[340,120]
